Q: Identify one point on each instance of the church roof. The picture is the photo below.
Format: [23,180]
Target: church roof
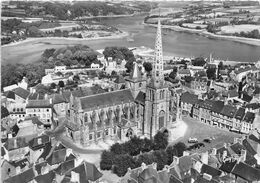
[119,79]
[135,75]
[140,97]
[106,99]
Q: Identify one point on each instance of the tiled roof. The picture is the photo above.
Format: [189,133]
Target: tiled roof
[246,172]
[56,157]
[240,113]
[106,99]
[58,98]
[254,138]
[20,143]
[35,120]
[217,106]
[210,170]
[223,72]
[174,179]
[228,166]
[232,93]
[229,111]
[39,142]
[148,173]
[38,167]
[46,151]
[163,176]
[250,146]
[253,106]
[221,150]
[9,94]
[21,163]
[201,179]
[21,92]
[140,97]
[23,177]
[237,148]
[4,112]
[64,167]
[39,104]
[249,117]
[87,171]
[207,104]
[240,70]
[246,97]
[189,98]
[45,178]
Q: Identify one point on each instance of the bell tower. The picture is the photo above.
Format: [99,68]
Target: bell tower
[157,93]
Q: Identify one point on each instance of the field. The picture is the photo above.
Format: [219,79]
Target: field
[64,26]
[201,131]
[230,29]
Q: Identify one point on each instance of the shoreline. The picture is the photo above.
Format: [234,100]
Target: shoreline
[248,41]
[117,36]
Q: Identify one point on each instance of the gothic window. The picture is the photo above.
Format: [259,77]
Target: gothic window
[90,136]
[157,73]
[129,133]
[140,85]
[161,119]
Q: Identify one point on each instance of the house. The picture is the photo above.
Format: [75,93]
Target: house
[183,73]
[226,117]
[119,83]
[41,108]
[246,173]
[187,102]
[82,173]
[215,111]
[205,110]
[25,176]
[238,117]
[247,122]
[60,104]
[7,170]
[199,84]
[37,146]
[16,148]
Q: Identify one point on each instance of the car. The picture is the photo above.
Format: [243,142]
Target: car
[207,140]
[193,140]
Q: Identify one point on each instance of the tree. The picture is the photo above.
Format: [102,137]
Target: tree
[173,74]
[188,79]
[134,146]
[147,158]
[160,158]
[199,61]
[117,149]
[129,66]
[4,112]
[48,53]
[180,147]
[147,145]
[211,73]
[53,85]
[113,73]
[106,160]
[160,141]
[220,66]
[122,163]
[148,66]
[61,84]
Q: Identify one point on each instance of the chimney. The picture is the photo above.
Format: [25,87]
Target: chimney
[143,166]
[166,168]
[243,155]
[205,157]
[39,141]
[68,151]
[186,153]
[207,176]
[50,100]
[225,145]
[224,155]
[214,151]
[15,143]
[18,170]
[175,160]
[154,166]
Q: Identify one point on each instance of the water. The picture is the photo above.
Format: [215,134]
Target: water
[178,43]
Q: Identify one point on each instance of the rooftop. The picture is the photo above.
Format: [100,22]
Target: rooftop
[106,99]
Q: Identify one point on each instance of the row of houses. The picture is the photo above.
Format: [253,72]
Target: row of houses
[230,163]
[220,114]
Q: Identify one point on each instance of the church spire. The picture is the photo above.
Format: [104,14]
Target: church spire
[158,60]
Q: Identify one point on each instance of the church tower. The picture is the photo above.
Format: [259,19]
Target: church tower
[157,98]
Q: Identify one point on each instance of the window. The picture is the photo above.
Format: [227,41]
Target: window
[21,109]
[106,131]
[98,134]
[140,85]
[47,110]
[13,109]
[115,130]
[90,137]
[18,109]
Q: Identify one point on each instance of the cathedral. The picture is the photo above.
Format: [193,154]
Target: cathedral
[147,105]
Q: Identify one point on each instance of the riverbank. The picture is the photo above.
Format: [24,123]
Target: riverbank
[249,41]
[116,36]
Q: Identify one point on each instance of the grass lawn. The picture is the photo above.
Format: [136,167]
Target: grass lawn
[230,29]
[201,131]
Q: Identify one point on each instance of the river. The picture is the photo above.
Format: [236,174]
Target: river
[174,43]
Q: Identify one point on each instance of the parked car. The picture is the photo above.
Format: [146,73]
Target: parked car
[192,140]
